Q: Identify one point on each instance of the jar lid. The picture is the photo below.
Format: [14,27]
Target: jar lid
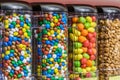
[107,9]
[81,8]
[48,7]
[18,5]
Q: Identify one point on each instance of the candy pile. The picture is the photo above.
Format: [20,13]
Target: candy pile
[54,46]
[82,37]
[16,53]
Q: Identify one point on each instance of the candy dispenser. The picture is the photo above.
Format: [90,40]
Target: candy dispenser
[108,42]
[82,42]
[16,48]
[51,19]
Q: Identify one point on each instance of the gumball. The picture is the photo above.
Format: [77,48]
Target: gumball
[82,20]
[80,26]
[92,57]
[89,63]
[89,19]
[83,61]
[86,43]
[74,19]
[84,32]
[86,55]
[81,39]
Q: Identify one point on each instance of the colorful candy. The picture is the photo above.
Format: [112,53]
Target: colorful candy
[82,46]
[16,53]
[53,53]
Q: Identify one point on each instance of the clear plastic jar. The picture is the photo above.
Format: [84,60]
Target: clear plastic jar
[108,42]
[82,42]
[16,49]
[51,19]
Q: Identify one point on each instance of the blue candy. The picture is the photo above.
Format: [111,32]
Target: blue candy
[49,56]
[47,26]
[14,38]
[11,26]
[11,54]
[6,57]
[21,58]
[10,38]
[21,24]
[5,43]
[47,42]
[9,43]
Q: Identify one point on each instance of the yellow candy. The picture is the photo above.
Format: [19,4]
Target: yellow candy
[6,22]
[14,14]
[91,29]
[55,47]
[56,70]
[55,20]
[25,34]
[76,32]
[38,70]
[93,24]
[6,26]
[73,37]
[45,38]
[51,65]
[89,19]
[15,33]
[38,66]
[93,68]
[17,25]
[70,56]
[74,25]
[23,29]
[77,57]
[23,48]
[3,55]
[58,37]
[48,34]
[25,25]
[54,17]
[52,31]
[88,69]
[44,60]
[7,52]
[77,51]
[52,24]
[20,45]
[58,31]
[51,59]
[84,71]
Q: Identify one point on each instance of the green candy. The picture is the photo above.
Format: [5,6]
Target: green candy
[78,69]
[59,60]
[19,75]
[14,23]
[47,60]
[44,31]
[56,43]
[12,51]
[29,24]
[24,67]
[11,75]
[19,62]
[70,30]
[93,74]
[58,27]
[40,23]
[77,44]
[82,20]
[13,62]
[43,65]
[87,25]
[86,55]
[53,78]
[49,70]
[21,18]
[77,63]
[57,16]
[61,78]
[44,21]
[93,62]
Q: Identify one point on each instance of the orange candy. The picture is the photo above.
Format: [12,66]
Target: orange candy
[6,39]
[89,63]
[81,39]
[84,49]
[20,32]
[80,26]
[94,45]
[84,32]
[94,50]
[18,21]
[50,37]
[75,19]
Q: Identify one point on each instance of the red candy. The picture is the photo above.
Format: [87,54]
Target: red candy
[88,75]
[90,51]
[92,57]
[83,61]
[84,66]
[86,43]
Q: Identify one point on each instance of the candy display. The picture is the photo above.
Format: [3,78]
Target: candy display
[108,43]
[82,45]
[16,52]
[53,25]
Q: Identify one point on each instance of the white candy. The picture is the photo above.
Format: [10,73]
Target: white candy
[10,20]
[53,67]
[29,40]
[22,52]
[29,74]
[39,46]
[9,68]
[54,56]
[6,78]
[48,67]
[14,19]
[28,59]
[56,65]
[13,30]
[53,35]
[59,45]
[24,61]
[29,19]
[17,68]
[27,15]
[51,48]
[56,77]
[17,17]
[22,73]
[50,51]
[62,31]
[15,59]
[11,35]
[62,47]
[36,35]
[16,29]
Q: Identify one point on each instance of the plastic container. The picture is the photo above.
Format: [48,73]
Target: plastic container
[108,42]
[16,49]
[51,20]
[82,42]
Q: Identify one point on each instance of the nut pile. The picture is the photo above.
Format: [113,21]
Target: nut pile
[108,48]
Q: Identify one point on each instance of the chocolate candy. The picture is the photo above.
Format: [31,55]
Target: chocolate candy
[82,46]
[16,53]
